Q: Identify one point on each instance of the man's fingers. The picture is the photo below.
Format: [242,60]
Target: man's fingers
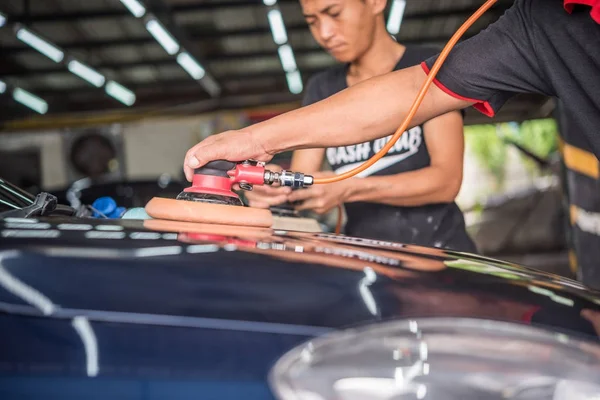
[310,204]
[231,145]
[302,194]
[593,317]
[267,196]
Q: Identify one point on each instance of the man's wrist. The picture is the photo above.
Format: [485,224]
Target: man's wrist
[351,187]
[272,139]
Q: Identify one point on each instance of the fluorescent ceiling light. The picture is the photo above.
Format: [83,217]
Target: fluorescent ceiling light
[120,93]
[135,7]
[162,36]
[87,73]
[395,18]
[47,49]
[211,86]
[30,100]
[294,81]
[277,26]
[270,3]
[2,20]
[2,87]
[190,65]
[286,55]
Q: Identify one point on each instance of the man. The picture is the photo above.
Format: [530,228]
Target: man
[409,195]
[550,47]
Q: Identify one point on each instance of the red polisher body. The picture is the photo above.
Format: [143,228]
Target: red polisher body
[213,182]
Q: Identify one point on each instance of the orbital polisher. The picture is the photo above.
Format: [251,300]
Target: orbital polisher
[210,198]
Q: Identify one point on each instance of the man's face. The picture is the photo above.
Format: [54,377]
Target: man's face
[344,28]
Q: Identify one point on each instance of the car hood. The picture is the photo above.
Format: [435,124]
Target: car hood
[307,283]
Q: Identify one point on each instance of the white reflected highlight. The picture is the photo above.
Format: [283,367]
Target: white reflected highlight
[286,55]
[87,73]
[423,351]
[162,36]
[277,26]
[22,220]
[294,81]
[120,93]
[190,65]
[18,233]
[75,227]
[2,87]
[539,290]
[109,227]
[562,300]
[22,290]
[41,45]
[202,248]
[135,7]
[144,236]
[104,235]
[367,296]
[421,392]
[413,326]
[230,247]
[20,225]
[30,100]
[370,275]
[90,344]
[158,251]
[396,15]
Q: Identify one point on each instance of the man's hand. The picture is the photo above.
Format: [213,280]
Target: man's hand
[237,145]
[267,196]
[322,198]
[593,317]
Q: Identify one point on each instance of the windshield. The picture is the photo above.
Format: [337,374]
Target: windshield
[13,198]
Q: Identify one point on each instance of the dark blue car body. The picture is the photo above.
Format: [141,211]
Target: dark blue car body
[94,309]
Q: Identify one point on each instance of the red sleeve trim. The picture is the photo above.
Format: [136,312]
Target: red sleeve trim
[528,315]
[595,4]
[482,106]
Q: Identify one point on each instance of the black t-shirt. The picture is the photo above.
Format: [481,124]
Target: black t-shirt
[535,47]
[439,225]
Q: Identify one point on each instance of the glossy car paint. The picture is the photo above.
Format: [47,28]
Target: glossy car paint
[136,310]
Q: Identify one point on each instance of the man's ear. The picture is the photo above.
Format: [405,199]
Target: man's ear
[377,6]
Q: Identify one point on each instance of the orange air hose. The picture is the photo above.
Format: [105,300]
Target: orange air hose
[413,110]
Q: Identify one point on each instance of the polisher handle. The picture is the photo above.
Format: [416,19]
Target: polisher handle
[216,168]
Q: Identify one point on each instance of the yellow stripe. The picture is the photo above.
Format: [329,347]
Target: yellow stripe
[581,161]
[573,214]
[573,261]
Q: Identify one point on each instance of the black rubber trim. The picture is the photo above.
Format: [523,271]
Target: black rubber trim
[216,168]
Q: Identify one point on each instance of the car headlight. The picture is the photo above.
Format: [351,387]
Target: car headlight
[440,358]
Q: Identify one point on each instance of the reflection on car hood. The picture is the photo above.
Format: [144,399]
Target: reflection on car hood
[300,282]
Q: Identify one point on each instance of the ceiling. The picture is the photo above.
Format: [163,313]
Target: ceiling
[230,38]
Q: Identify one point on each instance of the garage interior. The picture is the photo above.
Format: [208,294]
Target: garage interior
[153,78]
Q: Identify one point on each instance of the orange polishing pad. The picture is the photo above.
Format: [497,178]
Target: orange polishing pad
[162,225]
[191,211]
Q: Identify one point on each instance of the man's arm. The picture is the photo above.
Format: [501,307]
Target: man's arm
[486,69]
[368,110]
[440,182]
